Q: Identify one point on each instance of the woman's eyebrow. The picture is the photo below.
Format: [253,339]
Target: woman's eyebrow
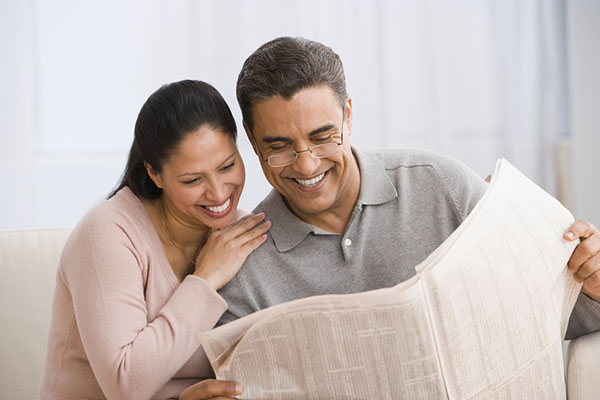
[227,160]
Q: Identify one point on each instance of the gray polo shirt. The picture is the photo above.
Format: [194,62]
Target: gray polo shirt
[410,201]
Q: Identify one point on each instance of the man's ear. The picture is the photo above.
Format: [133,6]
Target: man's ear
[251,138]
[348,118]
[153,175]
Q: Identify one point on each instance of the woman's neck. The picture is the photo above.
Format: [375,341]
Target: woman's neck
[181,241]
[179,231]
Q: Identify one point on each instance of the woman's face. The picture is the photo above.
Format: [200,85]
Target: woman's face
[203,178]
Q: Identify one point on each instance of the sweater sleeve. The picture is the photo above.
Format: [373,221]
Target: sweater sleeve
[131,356]
[585,318]
[463,186]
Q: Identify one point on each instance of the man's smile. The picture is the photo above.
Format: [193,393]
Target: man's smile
[312,181]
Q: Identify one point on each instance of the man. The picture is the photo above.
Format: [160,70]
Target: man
[346,220]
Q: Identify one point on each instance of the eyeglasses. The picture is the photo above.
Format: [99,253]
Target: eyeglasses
[317,151]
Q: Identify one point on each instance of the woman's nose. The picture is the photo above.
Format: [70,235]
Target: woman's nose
[217,191]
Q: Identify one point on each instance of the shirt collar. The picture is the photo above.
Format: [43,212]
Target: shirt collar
[288,230]
[375,184]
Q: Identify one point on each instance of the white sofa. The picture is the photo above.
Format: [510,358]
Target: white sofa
[28,260]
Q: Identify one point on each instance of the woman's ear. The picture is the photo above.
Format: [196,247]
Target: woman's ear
[153,175]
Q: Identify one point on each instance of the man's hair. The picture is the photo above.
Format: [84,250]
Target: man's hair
[283,67]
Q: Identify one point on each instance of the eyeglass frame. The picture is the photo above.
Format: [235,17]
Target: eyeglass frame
[267,160]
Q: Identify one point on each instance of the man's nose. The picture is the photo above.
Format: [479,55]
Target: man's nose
[306,164]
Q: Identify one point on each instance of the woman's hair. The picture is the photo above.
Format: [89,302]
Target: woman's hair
[284,66]
[166,118]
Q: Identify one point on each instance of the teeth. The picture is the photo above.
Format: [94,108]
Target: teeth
[310,182]
[220,208]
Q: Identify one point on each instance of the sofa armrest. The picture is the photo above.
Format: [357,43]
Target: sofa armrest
[583,368]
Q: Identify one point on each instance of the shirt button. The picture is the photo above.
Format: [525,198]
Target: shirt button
[347,242]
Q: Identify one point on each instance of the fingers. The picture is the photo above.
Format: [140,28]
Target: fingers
[585,260]
[246,231]
[210,389]
[242,225]
[580,229]
[587,269]
[225,250]
[591,286]
[253,244]
[254,233]
[589,246]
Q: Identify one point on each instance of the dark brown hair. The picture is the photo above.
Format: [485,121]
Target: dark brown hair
[166,118]
[283,67]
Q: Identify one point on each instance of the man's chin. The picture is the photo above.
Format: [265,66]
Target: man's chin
[307,207]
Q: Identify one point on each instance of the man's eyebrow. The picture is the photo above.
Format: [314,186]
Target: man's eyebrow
[322,129]
[273,139]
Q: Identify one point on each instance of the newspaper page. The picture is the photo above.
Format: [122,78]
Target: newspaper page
[333,347]
[500,296]
[483,318]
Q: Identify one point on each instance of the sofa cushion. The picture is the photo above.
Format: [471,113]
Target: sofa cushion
[583,368]
[28,262]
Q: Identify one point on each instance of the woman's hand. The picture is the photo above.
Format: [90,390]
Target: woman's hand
[226,249]
[211,389]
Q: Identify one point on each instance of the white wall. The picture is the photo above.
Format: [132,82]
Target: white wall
[73,77]
[476,79]
[16,100]
[584,66]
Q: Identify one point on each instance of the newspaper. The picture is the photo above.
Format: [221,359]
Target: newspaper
[483,318]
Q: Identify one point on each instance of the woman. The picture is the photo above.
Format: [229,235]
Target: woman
[138,276]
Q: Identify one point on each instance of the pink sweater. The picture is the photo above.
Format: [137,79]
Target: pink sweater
[123,326]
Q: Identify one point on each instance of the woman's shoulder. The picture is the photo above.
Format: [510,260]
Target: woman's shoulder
[122,216]
[121,208]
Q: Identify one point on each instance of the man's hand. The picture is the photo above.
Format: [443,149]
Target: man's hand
[211,389]
[585,260]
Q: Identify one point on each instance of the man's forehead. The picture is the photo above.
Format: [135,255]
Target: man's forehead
[305,100]
[277,137]
[279,117]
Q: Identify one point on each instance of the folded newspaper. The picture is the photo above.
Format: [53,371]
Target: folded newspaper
[484,317]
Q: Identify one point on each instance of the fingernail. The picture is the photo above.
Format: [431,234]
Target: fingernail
[238,388]
[569,235]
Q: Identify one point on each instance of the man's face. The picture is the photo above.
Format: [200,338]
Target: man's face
[313,188]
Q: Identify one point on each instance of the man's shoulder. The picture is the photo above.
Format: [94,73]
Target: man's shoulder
[429,172]
[412,158]
[272,198]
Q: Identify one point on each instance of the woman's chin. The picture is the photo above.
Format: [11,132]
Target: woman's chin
[222,222]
